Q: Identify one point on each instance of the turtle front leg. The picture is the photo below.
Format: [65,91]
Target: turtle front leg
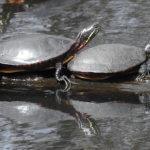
[144,71]
[63,77]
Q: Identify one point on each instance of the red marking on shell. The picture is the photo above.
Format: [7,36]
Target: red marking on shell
[29,65]
[84,73]
[40,63]
[123,101]
[40,104]
[115,72]
[123,70]
[131,68]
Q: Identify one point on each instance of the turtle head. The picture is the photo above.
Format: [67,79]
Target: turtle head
[147,50]
[86,35]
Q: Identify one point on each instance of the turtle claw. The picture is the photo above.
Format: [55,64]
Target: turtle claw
[140,77]
[67,83]
[73,82]
[143,77]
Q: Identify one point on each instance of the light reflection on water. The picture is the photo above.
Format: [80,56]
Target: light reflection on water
[38,120]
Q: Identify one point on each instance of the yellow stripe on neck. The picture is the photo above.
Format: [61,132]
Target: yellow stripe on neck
[67,60]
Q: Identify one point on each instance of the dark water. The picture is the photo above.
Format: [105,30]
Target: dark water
[36,114]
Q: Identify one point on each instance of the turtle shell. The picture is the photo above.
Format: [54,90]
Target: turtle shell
[107,58]
[23,50]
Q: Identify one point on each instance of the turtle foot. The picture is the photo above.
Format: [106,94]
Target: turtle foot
[67,83]
[143,77]
[140,77]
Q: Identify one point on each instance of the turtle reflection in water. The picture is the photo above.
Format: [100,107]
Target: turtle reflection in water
[44,108]
[86,123]
[108,60]
[36,52]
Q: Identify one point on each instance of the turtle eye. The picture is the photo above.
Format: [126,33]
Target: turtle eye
[88,32]
[96,25]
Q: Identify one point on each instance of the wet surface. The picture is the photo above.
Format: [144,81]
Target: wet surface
[36,114]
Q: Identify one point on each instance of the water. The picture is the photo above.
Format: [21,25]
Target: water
[36,114]
[42,118]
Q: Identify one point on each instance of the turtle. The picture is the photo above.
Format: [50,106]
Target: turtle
[108,60]
[39,51]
